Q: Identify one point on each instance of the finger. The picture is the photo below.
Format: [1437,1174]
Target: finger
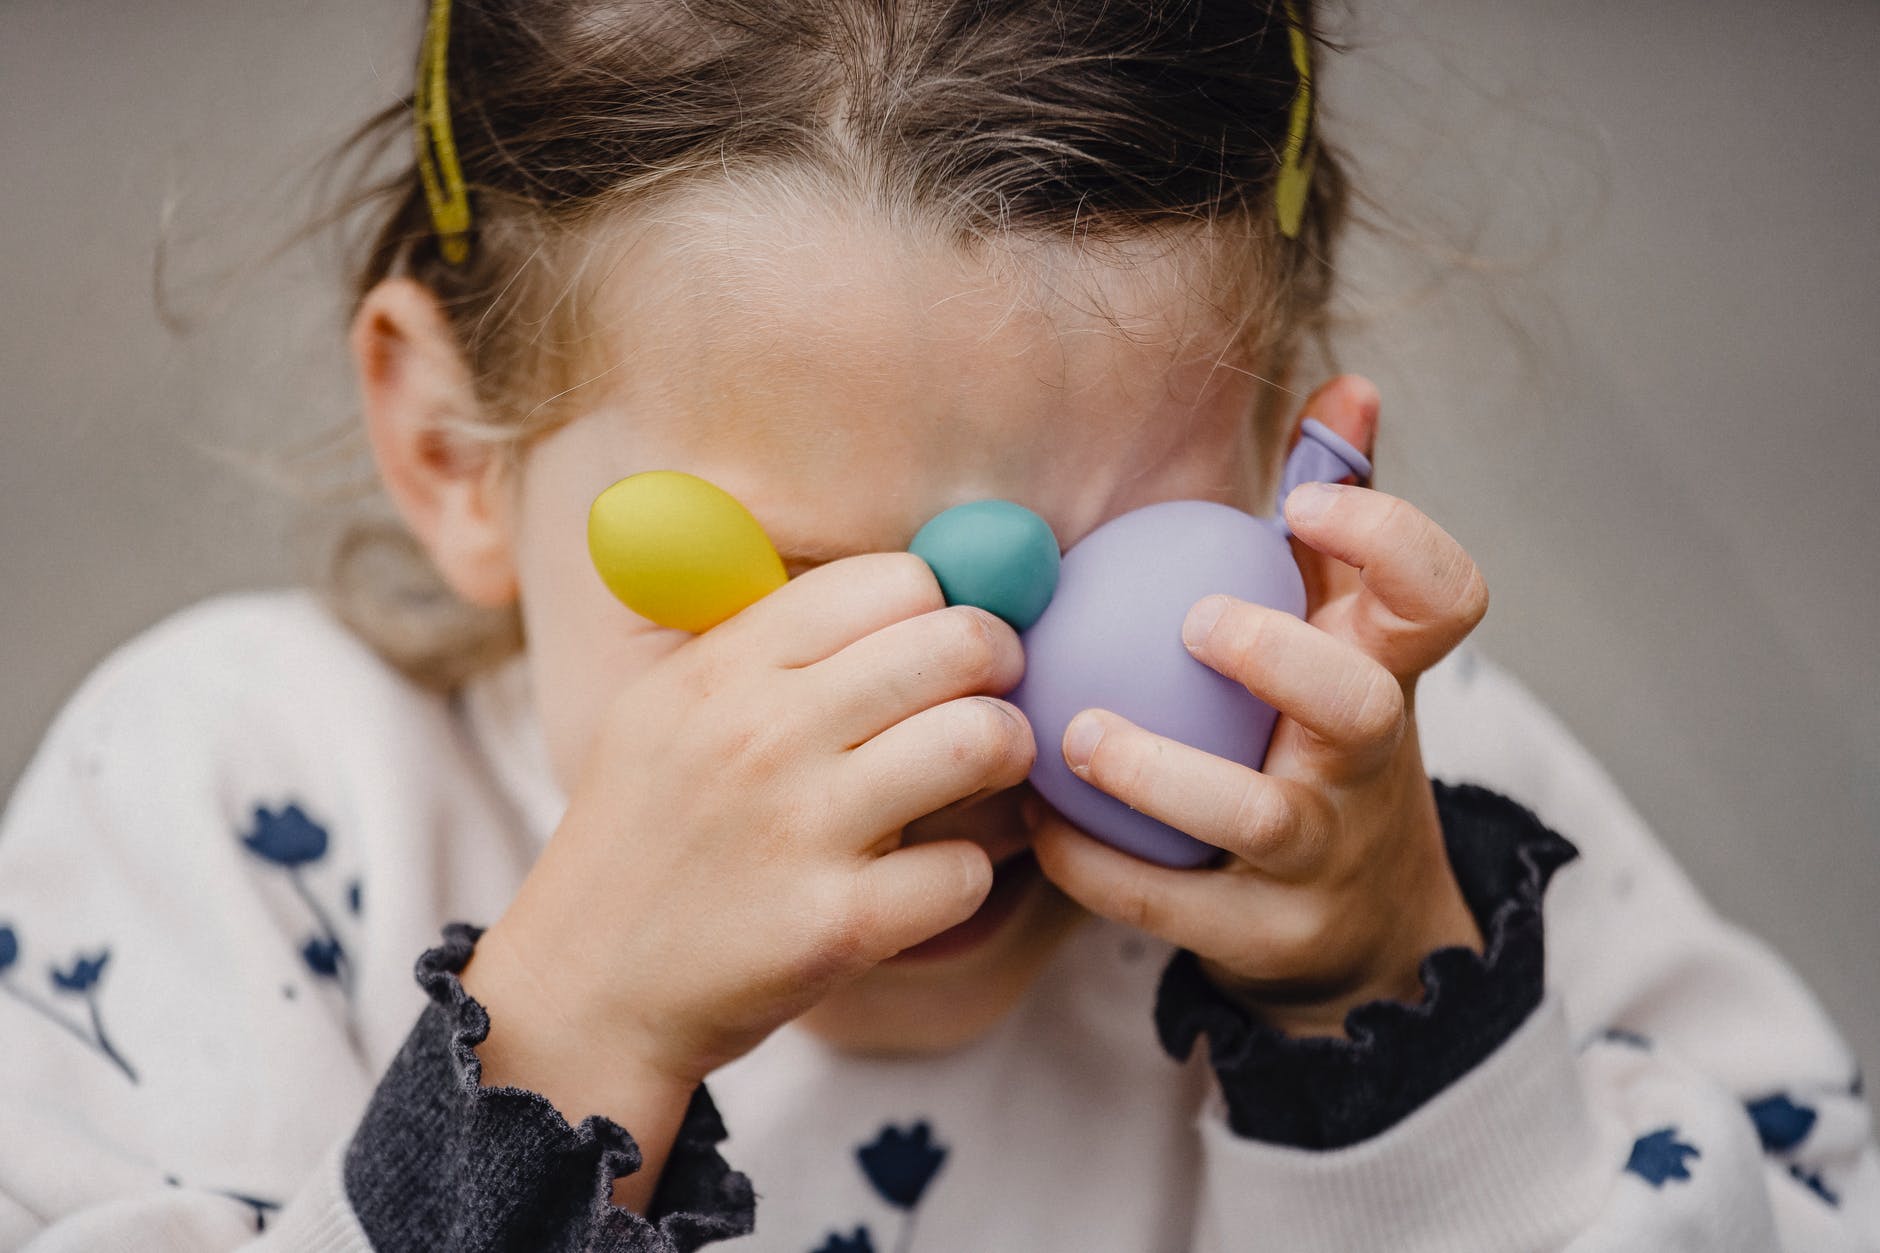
[1278,826]
[915,892]
[1349,703]
[818,613]
[1422,592]
[911,665]
[938,756]
[1349,404]
[1232,916]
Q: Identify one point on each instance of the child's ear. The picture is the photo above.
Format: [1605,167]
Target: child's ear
[453,492]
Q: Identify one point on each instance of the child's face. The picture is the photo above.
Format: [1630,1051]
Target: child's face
[847,383]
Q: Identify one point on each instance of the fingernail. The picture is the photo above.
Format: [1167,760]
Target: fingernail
[1201,619]
[1080,741]
[1309,501]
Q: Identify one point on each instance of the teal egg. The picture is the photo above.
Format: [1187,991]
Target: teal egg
[994,554]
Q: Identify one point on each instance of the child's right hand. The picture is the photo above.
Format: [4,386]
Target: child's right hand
[732,850]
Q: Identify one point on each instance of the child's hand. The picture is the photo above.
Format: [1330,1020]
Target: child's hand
[1338,884]
[731,852]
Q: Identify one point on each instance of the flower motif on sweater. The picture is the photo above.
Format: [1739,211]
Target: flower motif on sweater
[291,840]
[1661,1156]
[839,1243]
[80,979]
[899,1165]
[1780,1122]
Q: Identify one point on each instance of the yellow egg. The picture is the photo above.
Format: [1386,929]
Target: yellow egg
[679,551]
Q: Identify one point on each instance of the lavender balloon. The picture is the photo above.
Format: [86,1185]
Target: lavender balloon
[1111,638]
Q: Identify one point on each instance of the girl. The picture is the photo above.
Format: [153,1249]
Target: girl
[857,262]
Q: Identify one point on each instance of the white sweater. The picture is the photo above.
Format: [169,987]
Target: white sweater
[262,826]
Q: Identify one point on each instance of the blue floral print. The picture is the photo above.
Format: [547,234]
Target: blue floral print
[1780,1122]
[899,1165]
[288,838]
[839,1243]
[261,1206]
[1661,1156]
[1813,1183]
[80,979]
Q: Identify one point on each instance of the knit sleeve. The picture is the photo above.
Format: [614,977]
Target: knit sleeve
[440,1161]
[175,998]
[191,992]
[1660,1080]
[1327,1092]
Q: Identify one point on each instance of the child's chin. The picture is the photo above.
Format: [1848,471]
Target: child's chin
[949,996]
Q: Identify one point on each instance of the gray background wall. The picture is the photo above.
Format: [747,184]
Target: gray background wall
[1645,403]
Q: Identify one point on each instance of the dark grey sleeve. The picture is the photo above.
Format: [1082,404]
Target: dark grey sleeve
[1326,1093]
[441,1162]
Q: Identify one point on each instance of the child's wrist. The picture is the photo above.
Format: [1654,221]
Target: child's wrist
[582,1071]
[537,1042]
[1393,973]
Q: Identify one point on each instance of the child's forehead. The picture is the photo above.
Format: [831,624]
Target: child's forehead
[746,274]
[847,378]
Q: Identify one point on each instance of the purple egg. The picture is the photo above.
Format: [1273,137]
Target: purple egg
[1111,638]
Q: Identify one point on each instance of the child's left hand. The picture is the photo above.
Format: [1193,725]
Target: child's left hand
[1338,884]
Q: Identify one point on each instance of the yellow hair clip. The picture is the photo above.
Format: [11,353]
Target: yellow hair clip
[441,174]
[1295,163]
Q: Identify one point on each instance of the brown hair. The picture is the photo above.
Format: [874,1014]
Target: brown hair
[1089,120]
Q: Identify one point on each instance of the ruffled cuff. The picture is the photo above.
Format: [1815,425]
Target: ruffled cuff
[1329,1092]
[440,1161]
